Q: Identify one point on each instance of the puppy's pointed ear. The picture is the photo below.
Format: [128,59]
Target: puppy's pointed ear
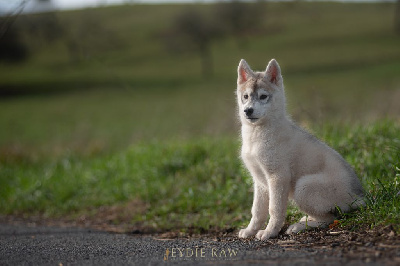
[273,72]
[244,72]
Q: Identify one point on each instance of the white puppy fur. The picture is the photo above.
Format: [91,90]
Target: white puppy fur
[286,162]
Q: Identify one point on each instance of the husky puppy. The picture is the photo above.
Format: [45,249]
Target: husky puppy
[287,162]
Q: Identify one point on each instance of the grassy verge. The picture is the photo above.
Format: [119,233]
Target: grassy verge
[197,184]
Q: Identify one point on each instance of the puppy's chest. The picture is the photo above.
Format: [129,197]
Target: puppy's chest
[259,153]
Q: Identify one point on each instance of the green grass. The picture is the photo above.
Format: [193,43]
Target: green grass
[374,152]
[130,122]
[196,184]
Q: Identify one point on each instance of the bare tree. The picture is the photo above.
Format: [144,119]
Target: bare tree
[10,18]
[197,31]
[11,46]
[193,32]
[20,32]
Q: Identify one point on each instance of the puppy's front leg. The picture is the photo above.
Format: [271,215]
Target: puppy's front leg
[259,211]
[279,193]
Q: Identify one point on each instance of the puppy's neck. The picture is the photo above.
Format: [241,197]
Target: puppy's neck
[266,131]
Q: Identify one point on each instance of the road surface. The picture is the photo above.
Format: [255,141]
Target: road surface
[24,245]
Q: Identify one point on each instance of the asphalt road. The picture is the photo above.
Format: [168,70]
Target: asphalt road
[24,245]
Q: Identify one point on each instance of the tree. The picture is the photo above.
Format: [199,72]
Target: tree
[20,32]
[12,48]
[191,31]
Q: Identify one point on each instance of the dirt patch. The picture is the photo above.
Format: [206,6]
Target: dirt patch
[367,244]
[115,218]
[364,246]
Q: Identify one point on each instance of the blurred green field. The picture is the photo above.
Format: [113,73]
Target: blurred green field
[341,63]
[125,120]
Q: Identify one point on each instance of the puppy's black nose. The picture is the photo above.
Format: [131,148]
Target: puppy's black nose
[249,111]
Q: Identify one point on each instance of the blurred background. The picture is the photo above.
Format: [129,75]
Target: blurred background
[122,114]
[99,75]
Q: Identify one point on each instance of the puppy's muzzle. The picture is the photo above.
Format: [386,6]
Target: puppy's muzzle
[249,111]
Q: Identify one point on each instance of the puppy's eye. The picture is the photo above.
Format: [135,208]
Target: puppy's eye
[263,97]
[246,96]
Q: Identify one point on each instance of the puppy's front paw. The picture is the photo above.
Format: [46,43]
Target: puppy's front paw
[295,228]
[245,233]
[264,235]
